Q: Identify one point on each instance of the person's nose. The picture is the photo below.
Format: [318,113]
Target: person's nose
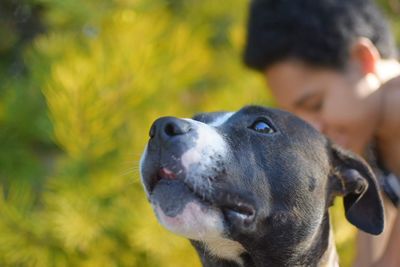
[319,126]
[316,122]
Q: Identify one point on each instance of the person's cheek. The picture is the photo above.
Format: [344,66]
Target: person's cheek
[334,120]
[314,119]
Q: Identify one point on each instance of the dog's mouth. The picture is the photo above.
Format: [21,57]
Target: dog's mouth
[166,176]
[162,174]
[230,204]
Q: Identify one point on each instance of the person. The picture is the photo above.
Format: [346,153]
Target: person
[333,63]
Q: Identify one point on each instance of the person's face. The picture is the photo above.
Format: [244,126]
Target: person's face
[339,104]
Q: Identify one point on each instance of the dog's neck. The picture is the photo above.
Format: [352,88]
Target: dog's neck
[321,252]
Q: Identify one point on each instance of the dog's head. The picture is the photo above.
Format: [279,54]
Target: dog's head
[254,177]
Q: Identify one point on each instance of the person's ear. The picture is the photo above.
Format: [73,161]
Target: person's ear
[355,181]
[366,54]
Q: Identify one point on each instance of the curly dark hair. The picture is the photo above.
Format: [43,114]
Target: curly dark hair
[317,32]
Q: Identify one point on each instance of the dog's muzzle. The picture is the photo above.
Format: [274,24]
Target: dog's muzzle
[182,168]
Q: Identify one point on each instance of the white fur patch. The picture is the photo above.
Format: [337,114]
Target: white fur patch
[221,119]
[203,224]
[194,222]
[330,258]
[224,248]
[208,143]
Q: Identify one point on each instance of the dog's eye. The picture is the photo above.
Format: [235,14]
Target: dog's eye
[262,126]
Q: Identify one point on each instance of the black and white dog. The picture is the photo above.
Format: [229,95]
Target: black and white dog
[253,188]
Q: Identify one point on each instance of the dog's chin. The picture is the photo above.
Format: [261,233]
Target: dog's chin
[183,212]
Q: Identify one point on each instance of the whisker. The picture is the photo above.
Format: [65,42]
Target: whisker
[135,154]
[128,172]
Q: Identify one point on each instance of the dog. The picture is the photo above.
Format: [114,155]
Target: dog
[252,188]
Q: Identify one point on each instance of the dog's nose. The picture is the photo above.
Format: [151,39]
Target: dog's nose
[167,127]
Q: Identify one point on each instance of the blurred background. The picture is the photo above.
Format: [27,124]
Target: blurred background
[80,84]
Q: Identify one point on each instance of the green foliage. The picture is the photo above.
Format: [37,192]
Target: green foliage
[391,8]
[74,122]
[106,71]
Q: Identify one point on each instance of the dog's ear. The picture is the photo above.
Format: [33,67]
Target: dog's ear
[358,185]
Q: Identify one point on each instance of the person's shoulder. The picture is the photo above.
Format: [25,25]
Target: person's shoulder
[391,107]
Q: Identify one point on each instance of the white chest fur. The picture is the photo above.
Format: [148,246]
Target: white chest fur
[225,249]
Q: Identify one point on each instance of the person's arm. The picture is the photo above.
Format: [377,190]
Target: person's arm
[370,249]
[391,256]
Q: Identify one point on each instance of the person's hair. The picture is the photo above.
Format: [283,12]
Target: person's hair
[316,32]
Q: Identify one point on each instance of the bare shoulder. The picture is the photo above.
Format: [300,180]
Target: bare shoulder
[389,132]
[391,108]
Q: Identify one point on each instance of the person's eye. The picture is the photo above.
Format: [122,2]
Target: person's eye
[262,126]
[314,106]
